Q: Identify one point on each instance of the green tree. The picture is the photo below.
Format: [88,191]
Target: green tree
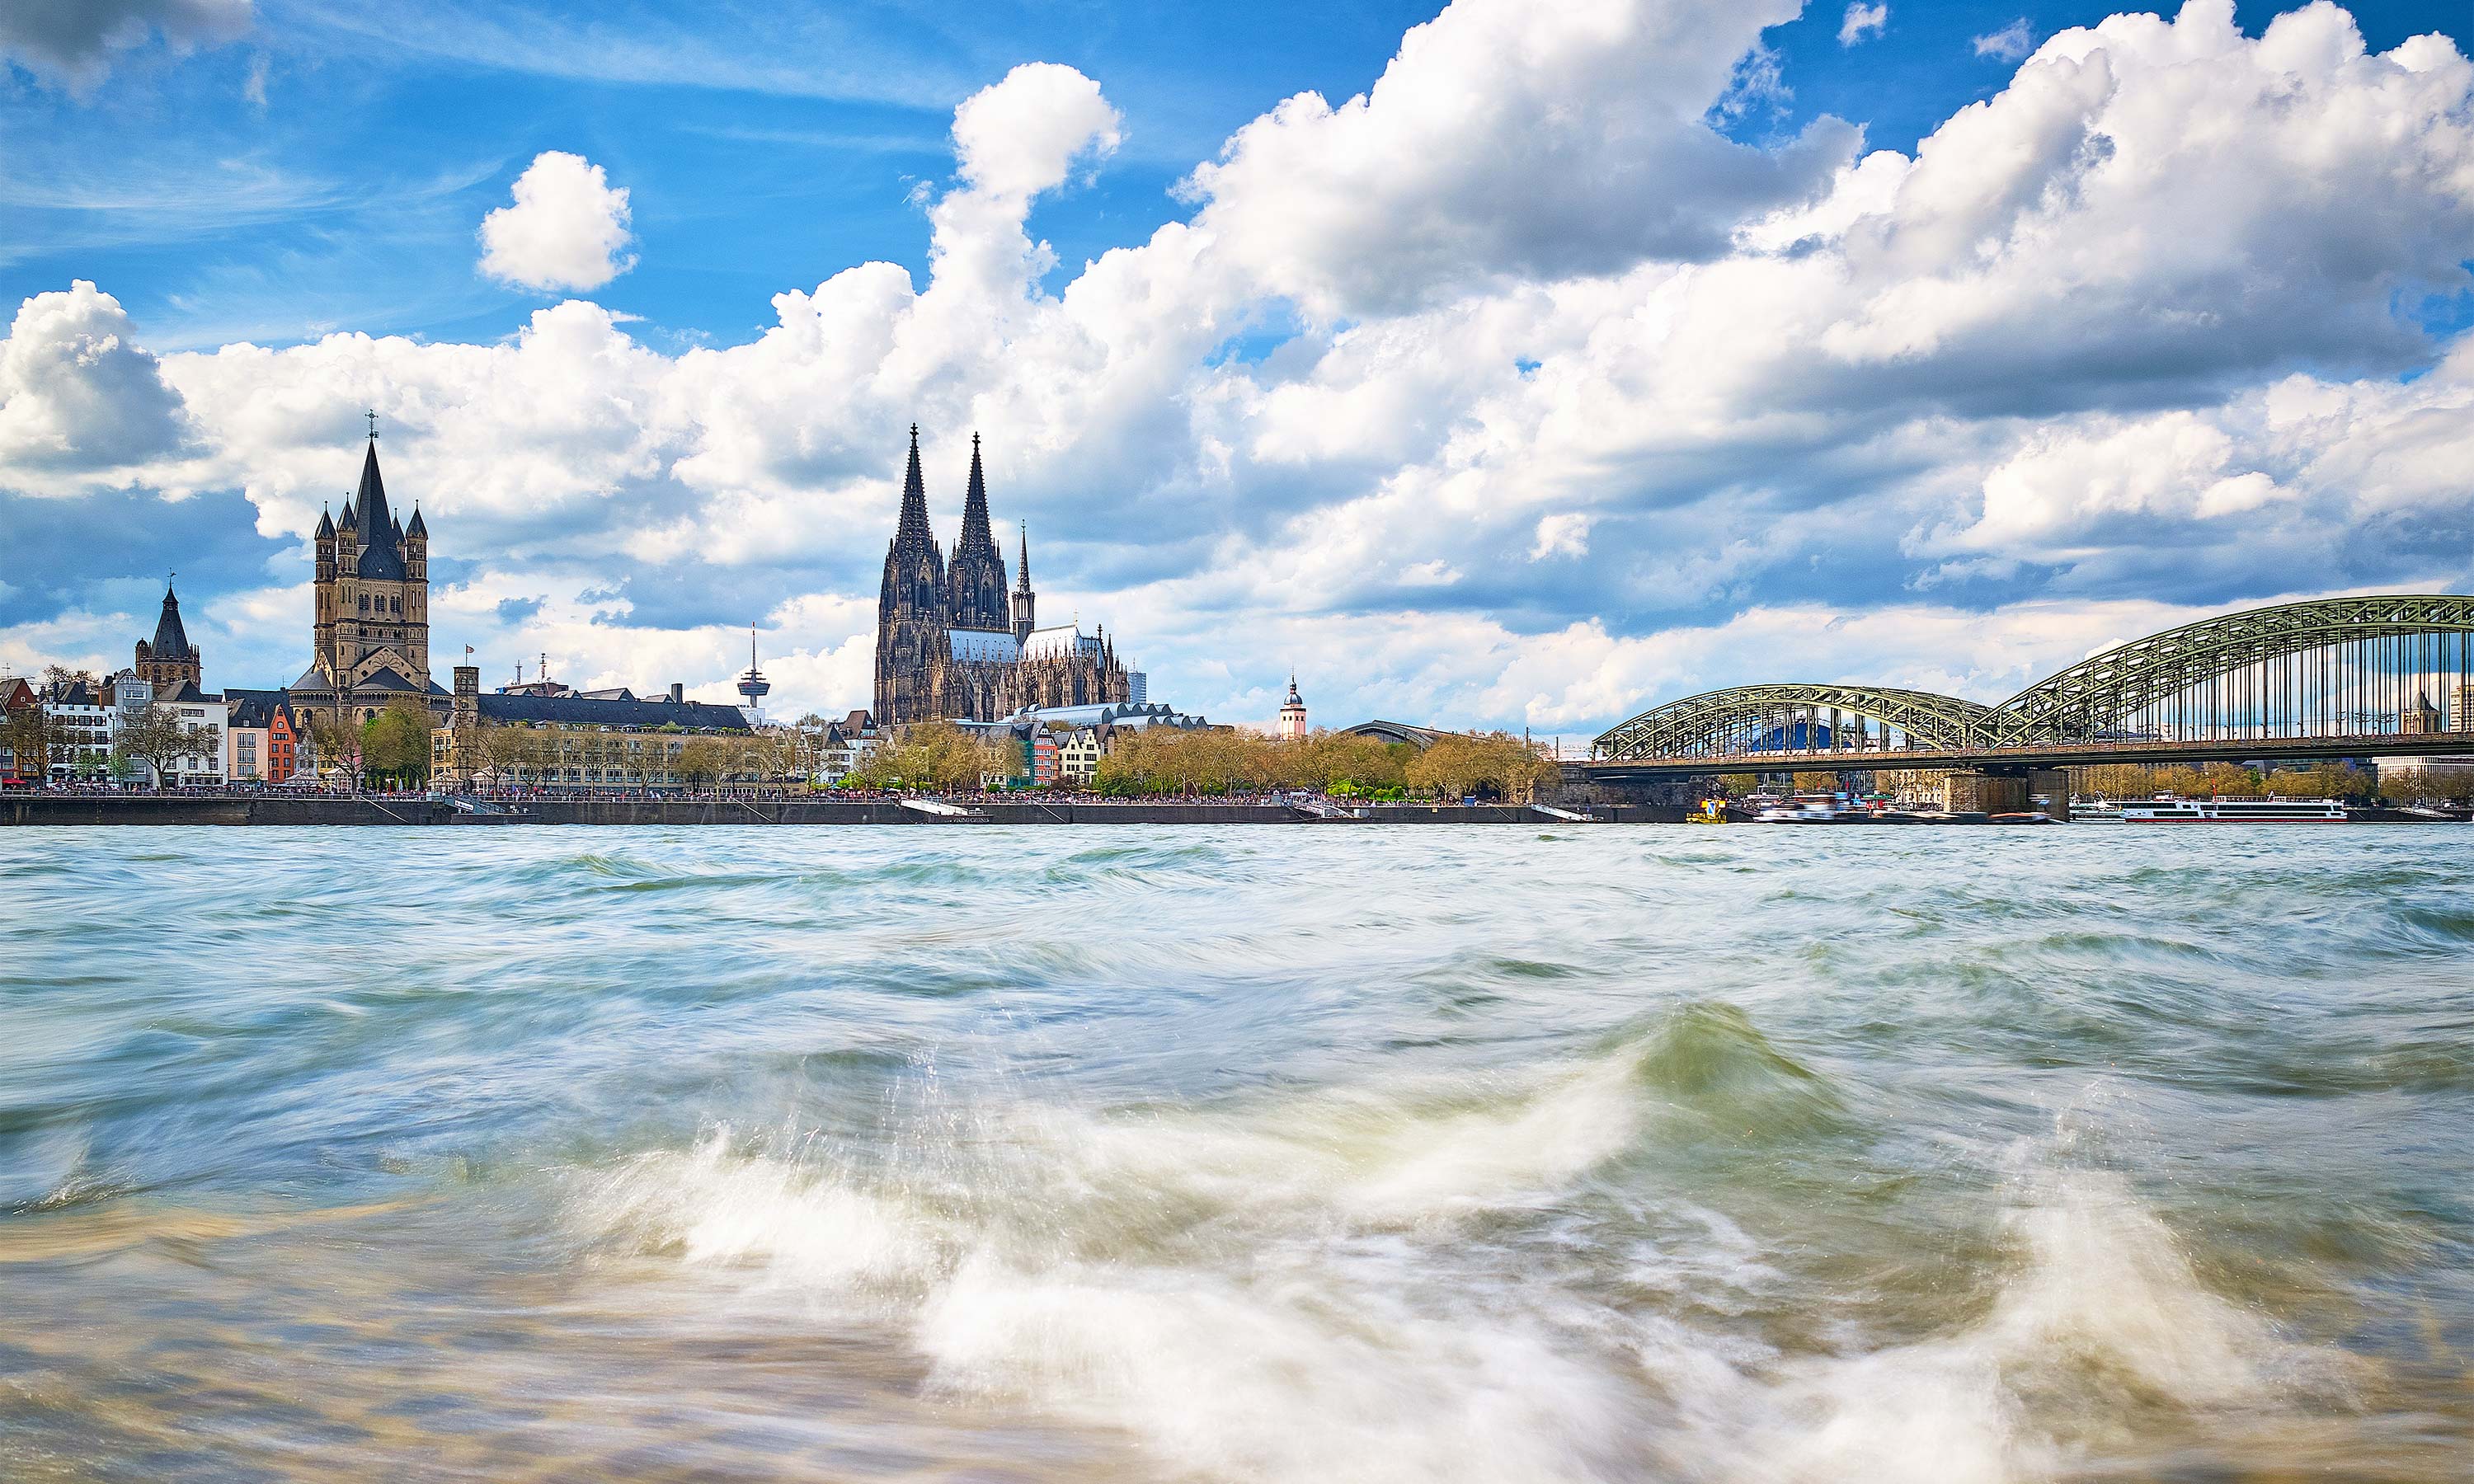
[1460,765]
[26,735]
[396,745]
[156,738]
[702,761]
[337,736]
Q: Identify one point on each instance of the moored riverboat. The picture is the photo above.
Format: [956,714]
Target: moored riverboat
[2272,810]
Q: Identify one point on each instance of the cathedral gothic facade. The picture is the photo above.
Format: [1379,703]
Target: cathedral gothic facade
[954,644]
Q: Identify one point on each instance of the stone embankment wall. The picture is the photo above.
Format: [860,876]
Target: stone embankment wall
[143,810]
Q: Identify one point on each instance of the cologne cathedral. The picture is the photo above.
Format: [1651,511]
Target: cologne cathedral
[952,645]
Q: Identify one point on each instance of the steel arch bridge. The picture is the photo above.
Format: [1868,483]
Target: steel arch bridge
[2332,677]
[1736,721]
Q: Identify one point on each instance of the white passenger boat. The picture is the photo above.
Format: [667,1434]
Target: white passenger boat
[2233,811]
[1812,810]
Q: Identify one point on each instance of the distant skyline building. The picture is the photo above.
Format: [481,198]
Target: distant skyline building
[1293,712]
[753,686]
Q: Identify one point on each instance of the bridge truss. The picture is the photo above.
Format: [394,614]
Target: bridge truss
[2313,676]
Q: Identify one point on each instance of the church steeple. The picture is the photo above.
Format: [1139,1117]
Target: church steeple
[170,660]
[977,575]
[915,500]
[1025,602]
[381,549]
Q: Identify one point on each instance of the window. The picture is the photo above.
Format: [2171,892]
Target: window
[365,602]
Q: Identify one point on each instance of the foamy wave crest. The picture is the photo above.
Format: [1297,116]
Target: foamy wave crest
[1417,1282]
[2100,1327]
[1280,1295]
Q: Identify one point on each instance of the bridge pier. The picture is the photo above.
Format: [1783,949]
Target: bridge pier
[2007,790]
[2049,789]
[1972,791]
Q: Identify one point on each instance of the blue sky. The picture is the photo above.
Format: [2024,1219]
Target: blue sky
[1434,397]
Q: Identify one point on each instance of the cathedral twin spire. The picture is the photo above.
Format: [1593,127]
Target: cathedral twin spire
[973,580]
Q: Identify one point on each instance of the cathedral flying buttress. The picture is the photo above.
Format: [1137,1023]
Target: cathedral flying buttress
[952,643]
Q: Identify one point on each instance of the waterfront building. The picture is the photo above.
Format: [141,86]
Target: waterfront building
[843,747]
[1293,713]
[1064,744]
[131,695]
[953,644]
[2419,774]
[262,737]
[17,698]
[1078,753]
[79,721]
[608,739]
[369,630]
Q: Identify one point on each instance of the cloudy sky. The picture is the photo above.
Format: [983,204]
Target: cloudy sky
[1516,364]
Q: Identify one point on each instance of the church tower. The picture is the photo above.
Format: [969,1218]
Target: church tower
[1025,603]
[1293,713]
[371,626]
[978,578]
[911,614]
[170,661]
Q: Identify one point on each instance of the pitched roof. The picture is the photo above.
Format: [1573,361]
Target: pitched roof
[171,640]
[259,708]
[582,712]
[379,558]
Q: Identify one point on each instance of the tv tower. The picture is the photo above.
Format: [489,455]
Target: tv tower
[753,684]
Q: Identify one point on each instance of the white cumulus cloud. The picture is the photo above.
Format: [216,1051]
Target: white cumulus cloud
[1862,20]
[81,402]
[2009,44]
[566,230]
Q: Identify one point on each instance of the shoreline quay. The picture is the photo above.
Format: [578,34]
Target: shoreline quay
[228,809]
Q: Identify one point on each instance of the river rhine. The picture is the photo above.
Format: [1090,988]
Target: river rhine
[1477,1153]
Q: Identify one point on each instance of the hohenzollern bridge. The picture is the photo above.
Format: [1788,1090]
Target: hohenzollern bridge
[2357,676]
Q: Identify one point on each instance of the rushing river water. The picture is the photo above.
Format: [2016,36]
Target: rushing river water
[1411,1154]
